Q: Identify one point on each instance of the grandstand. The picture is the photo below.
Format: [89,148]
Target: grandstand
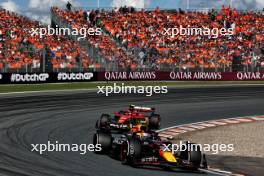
[22,52]
[132,40]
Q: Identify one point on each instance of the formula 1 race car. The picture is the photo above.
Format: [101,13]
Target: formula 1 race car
[152,151]
[147,149]
[133,118]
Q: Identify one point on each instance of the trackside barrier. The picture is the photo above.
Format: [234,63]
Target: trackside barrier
[18,78]
[181,76]
[28,78]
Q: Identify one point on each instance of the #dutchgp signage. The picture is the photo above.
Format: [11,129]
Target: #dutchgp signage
[28,78]
[32,78]
[75,76]
[42,77]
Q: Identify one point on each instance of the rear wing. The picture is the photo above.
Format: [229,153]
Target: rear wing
[141,108]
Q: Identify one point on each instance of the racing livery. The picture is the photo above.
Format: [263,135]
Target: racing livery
[129,120]
[141,149]
[129,137]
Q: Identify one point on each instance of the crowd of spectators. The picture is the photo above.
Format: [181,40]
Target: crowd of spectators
[19,49]
[134,39]
[15,48]
[142,31]
[107,48]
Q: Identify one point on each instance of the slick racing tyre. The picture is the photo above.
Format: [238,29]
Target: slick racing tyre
[130,152]
[104,140]
[192,154]
[154,122]
[103,122]
[195,157]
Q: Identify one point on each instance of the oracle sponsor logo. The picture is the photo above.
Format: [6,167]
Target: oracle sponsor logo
[42,77]
[250,76]
[195,75]
[130,75]
[75,76]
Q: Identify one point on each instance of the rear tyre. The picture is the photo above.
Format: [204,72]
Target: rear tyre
[130,152]
[154,122]
[103,122]
[104,140]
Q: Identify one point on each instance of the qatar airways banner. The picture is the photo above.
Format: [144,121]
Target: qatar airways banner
[37,78]
[180,76]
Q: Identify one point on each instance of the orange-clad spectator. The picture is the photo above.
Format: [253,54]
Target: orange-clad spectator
[133,67]
[1,65]
[97,66]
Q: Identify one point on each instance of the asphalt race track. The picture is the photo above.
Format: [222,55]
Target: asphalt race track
[70,117]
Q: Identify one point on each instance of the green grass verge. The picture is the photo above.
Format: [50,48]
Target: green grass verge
[93,85]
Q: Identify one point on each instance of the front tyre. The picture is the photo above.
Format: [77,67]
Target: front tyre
[154,122]
[192,154]
[195,157]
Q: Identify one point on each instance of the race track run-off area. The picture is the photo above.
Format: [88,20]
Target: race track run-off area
[69,117]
